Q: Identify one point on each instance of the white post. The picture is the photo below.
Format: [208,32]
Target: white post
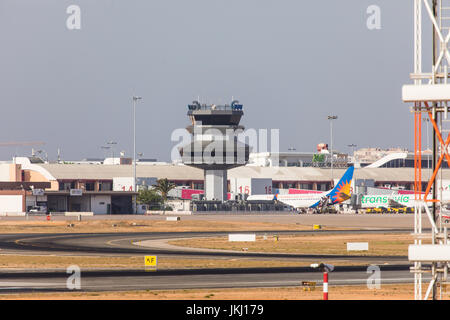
[418,204]
[418,39]
[325,285]
[417,241]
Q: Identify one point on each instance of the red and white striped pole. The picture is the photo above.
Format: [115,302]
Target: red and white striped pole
[325,285]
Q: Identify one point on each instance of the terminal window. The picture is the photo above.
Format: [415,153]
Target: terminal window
[90,186]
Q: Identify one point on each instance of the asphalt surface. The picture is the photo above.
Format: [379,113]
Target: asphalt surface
[394,269]
[13,282]
[123,244]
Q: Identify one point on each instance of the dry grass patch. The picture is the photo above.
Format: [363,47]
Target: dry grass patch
[137,262]
[387,292]
[56,262]
[102,226]
[379,244]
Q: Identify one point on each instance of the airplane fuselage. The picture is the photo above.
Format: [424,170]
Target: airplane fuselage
[301,200]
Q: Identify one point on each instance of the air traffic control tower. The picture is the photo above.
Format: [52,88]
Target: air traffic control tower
[214,145]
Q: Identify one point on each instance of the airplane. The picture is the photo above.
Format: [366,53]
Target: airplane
[338,194]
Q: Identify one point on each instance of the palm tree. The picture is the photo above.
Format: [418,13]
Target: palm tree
[149,197]
[163,186]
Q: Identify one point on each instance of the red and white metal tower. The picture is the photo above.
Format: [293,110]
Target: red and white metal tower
[430,95]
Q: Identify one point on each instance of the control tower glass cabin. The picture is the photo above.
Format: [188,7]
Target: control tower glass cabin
[214,145]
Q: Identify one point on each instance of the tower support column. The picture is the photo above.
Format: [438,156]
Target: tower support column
[216,186]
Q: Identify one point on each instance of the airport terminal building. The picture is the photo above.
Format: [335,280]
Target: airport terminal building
[108,189]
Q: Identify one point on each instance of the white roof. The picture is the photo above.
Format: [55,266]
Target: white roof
[181,172]
[108,172]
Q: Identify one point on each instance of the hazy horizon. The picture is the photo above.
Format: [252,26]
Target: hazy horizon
[290,63]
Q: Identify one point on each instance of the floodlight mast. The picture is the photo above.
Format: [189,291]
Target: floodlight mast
[331,118]
[135,98]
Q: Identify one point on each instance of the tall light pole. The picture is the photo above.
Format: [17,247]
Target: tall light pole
[331,118]
[135,98]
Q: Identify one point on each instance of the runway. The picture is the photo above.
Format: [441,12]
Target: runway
[126,280]
[394,269]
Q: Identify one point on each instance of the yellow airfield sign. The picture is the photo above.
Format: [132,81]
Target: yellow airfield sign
[151,261]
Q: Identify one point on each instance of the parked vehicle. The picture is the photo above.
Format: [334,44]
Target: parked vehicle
[38,209]
[409,210]
[377,210]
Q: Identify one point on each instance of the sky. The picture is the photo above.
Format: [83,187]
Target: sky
[290,63]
